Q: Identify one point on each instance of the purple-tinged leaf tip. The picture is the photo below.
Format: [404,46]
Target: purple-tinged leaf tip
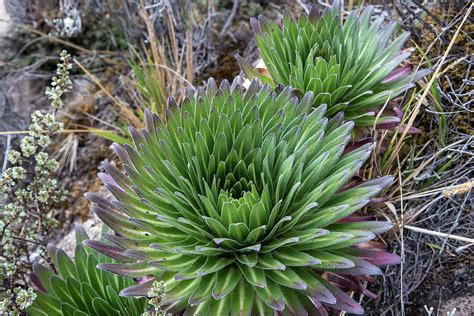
[36,281]
[140,289]
[107,179]
[398,112]
[358,143]
[314,14]
[134,270]
[377,201]
[110,251]
[255,26]
[278,305]
[377,257]
[398,74]
[383,258]
[345,302]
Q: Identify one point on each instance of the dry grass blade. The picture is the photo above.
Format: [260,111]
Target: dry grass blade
[126,111]
[161,70]
[416,110]
[156,57]
[67,152]
[402,221]
[97,53]
[422,166]
[438,234]
[189,50]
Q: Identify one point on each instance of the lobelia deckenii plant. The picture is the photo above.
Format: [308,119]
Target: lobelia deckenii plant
[76,287]
[239,204]
[351,66]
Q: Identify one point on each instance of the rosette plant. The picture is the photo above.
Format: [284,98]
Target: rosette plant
[241,204]
[351,66]
[77,287]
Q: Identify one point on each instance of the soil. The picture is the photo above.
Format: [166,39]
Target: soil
[449,285]
[225,66]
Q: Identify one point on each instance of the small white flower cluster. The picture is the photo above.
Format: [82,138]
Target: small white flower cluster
[157,295]
[23,298]
[61,83]
[29,194]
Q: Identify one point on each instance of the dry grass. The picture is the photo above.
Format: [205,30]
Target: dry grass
[431,201]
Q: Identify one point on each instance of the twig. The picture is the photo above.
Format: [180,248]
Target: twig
[58,40]
[402,219]
[64,131]
[303,5]
[189,46]
[5,158]
[438,234]
[235,6]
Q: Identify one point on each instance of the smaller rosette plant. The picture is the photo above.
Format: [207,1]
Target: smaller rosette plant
[351,66]
[242,203]
[77,287]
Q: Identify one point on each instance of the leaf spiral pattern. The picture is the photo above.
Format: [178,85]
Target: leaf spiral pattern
[239,203]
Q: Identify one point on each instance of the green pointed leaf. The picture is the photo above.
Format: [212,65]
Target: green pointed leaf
[249,259]
[182,290]
[239,231]
[68,309]
[258,216]
[226,281]
[220,307]
[287,278]
[330,261]
[267,262]
[64,264]
[47,304]
[204,290]
[61,291]
[230,214]
[254,276]
[292,257]
[74,288]
[271,295]
[242,299]
[101,307]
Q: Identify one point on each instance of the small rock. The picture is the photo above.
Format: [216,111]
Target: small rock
[4,24]
[93,227]
[464,306]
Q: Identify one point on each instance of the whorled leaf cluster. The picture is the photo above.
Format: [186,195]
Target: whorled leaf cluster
[242,203]
[350,65]
[77,287]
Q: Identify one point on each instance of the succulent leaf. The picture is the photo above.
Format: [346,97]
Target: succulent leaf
[239,204]
[351,66]
[78,287]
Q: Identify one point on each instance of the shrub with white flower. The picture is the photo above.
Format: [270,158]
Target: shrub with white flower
[29,195]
